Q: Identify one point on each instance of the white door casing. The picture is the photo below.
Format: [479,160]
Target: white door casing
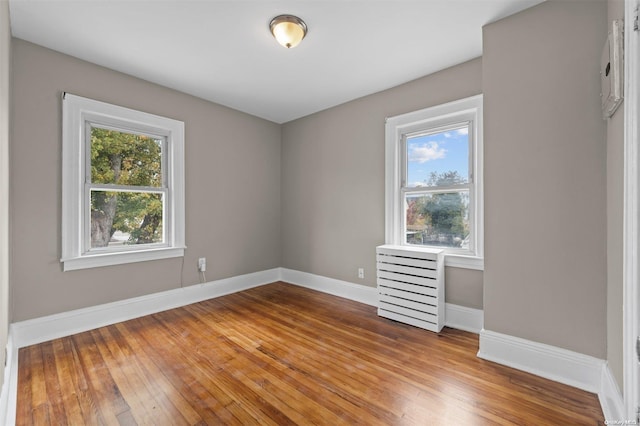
[631,220]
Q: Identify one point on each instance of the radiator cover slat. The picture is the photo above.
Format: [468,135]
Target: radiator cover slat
[411,285]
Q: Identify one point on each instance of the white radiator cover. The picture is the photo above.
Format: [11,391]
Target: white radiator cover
[411,285]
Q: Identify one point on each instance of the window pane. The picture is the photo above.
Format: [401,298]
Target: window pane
[126,218]
[439,219]
[125,159]
[438,159]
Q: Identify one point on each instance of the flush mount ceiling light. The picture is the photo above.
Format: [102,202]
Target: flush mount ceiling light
[288,30]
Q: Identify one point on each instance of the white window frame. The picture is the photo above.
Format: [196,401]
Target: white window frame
[397,129]
[78,114]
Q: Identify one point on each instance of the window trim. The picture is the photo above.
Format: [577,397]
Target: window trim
[440,116]
[77,113]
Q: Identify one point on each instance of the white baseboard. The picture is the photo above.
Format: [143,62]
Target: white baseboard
[610,398]
[571,368]
[463,318]
[557,364]
[43,329]
[460,317]
[50,327]
[345,289]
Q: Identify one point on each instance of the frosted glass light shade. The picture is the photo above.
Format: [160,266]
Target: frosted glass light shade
[288,30]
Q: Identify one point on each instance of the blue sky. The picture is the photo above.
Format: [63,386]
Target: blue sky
[438,152]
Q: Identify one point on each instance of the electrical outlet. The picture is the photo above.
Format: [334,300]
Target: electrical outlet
[202,264]
[361,273]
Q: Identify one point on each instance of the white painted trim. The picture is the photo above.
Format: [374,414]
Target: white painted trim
[9,393]
[610,397]
[466,262]
[359,293]
[459,317]
[463,318]
[77,112]
[43,329]
[120,258]
[631,214]
[557,364]
[467,109]
[561,365]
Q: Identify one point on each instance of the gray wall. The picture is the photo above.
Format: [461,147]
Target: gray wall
[232,187]
[5,70]
[333,181]
[615,186]
[545,275]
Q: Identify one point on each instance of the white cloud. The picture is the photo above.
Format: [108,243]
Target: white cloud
[426,152]
[463,131]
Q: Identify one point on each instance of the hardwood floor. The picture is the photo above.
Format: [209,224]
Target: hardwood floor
[277,355]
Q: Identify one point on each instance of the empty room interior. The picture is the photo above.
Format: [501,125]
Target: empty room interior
[401,213]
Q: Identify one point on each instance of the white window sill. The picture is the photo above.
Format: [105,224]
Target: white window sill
[466,262]
[454,260]
[108,259]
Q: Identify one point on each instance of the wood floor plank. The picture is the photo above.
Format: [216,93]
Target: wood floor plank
[145,402]
[209,374]
[101,389]
[177,373]
[277,355]
[38,384]
[25,372]
[361,385]
[76,408]
[53,394]
[314,360]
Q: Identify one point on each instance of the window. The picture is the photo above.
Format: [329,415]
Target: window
[434,180]
[122,185]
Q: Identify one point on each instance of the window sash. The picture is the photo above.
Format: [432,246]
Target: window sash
[466,188]
[455,125]
[94,124]
[166,222]
[89,187]
[443,189]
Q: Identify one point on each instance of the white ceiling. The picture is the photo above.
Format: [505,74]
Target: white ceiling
[223,51]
